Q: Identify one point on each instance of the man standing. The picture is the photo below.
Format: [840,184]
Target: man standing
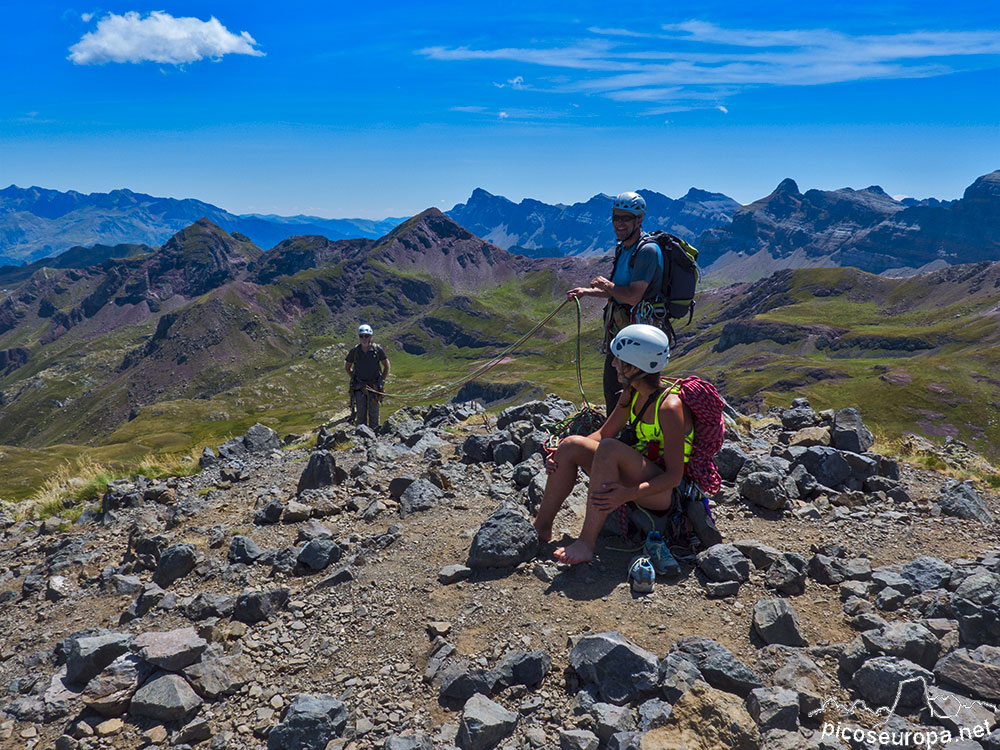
[368,366]
[637,275]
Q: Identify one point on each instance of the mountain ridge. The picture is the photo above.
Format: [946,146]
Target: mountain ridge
[37,222]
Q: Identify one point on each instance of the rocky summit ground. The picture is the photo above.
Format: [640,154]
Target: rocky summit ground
[387,591]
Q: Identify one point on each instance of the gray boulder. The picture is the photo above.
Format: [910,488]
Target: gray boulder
[321,471]
[166,698]
[484,724]
[421,495]
[677,673]
[208,604]
[318,554]
[787,574]
[976,604]
[507,452]
[761,555]
[724,562]
[254,606]
[889,681]
[764,488]
[975,671]
[216,678]
[578,739]
[611,719]
[506,538]
[476,449]
[961,500]
[729,460]
[621,671]
[171,650]
[270,513]
[906,640]
[827,465]
[775,621]
[652,714]
[526,668]
[849,432]
[398,485]
[310,723]
[774,708]
[718,665]
[87,657]
[799,416]
[260,438]
[459,683]
[827,570]
[926,573]
[243,549]
[176,562]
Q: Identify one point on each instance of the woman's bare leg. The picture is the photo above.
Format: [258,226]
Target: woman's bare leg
[614,462]
[574,451]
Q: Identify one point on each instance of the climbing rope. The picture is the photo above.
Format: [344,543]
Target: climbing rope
[439,390]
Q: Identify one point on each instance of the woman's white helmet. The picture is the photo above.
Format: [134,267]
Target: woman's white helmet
[365,330]
[631,202]
[645,346]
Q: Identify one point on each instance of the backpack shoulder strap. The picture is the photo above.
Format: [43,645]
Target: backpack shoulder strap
[644,239]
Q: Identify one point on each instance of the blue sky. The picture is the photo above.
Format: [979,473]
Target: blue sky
[382,109]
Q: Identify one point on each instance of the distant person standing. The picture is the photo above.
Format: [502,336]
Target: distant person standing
[368,366]
[636,276]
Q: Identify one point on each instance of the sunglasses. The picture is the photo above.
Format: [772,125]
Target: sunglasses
[616,219]
[365,336]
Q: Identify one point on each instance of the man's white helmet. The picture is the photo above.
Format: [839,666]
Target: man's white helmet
[365,330]
[631,202]
[646,347]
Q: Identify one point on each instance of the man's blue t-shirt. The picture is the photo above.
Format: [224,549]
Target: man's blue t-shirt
[648,266]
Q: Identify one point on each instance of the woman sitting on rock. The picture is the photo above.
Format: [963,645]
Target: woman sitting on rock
[646,474]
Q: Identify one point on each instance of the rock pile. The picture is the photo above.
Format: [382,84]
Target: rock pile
[384,591]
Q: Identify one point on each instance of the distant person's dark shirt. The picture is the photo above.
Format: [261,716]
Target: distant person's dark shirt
[367,365]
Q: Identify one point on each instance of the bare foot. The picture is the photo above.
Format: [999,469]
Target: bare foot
[544,531]
[577,552]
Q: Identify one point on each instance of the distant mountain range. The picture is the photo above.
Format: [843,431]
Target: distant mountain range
[35,222]
[540,229]
[865,228]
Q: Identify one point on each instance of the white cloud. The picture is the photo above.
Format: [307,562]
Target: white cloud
[722,109]
[517,82]
[503,115]
[159,37]
[474,109]
[86,17]
[697,63]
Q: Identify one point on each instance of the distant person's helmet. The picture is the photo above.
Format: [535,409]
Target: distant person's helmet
[646,347]
[365,330]
[631,202]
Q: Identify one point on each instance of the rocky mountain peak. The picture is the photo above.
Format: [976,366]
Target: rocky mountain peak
[986,187]
[206,235]
[434,243]
[787,186]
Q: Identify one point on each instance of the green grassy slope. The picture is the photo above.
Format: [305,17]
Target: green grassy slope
[915,355]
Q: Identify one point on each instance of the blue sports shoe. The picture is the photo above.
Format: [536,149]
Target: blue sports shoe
[659,554]
[641,575]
